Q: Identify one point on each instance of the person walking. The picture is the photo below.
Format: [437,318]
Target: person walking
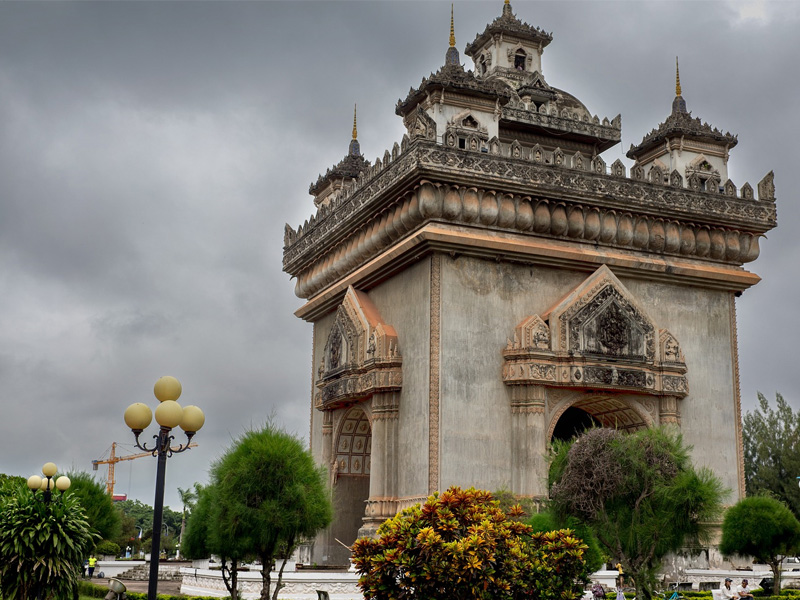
[92,564]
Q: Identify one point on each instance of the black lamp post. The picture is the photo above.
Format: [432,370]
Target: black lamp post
[169,414]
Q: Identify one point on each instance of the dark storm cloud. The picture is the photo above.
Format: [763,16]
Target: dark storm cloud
[150,154]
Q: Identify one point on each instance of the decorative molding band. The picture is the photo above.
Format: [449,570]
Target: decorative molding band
[580,372]
[311,404]
[618,227]
[669,410]
[737,399]
[409,501]
[377,194]
[514,247]
[359,384]
[380,508]
[433,384]
[528,400]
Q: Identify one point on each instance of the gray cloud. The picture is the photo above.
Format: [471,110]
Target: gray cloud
[150,154]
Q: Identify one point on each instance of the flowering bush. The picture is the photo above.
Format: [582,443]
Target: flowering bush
[460,545]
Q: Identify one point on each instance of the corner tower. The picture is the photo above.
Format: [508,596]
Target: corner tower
[684,150]
[491,283]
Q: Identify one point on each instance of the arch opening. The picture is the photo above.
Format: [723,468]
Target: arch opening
[350,480]
[597,411]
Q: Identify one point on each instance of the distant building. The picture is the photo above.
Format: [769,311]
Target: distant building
[490,283]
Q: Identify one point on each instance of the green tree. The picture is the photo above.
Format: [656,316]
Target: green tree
[188,498]
[771,439]
[42,546]
[461,544]
[141,513]
[764,528]
[271,495]
[128,533]
[639,493]
[208,532]
[103,517]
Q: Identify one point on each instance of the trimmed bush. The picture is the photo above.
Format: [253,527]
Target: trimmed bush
[107,548]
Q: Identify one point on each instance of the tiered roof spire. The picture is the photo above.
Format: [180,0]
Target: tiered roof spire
[451,58]
[679,104]
[355,148]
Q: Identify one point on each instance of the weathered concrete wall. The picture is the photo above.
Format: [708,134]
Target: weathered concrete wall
[701,321]
[482,302]
[404,303]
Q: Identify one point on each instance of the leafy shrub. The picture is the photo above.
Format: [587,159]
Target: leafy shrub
[42,546]
[107,547]
[93,590]
[460,544]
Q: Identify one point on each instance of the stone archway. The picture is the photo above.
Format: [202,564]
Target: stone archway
[597,355]
[617,412]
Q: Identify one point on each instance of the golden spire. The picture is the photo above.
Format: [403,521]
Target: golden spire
[507,2]
[677,78]
[452,29]
[355,128]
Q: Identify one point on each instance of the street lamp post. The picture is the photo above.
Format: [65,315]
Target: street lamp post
[47,483]
[169,414]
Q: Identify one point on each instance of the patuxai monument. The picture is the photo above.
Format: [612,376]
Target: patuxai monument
[491,283]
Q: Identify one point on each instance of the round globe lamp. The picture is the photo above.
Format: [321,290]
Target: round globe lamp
[138,416]
[34,482]
[47,484]
[193,419]
[169,414]
[63,483]
[167,388]
[49,469]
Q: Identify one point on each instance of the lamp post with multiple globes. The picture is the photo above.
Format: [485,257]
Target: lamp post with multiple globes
[47,483]
[169,414]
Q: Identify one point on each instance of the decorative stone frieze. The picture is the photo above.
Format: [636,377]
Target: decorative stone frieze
[361,356]
[713,226]
[597,337]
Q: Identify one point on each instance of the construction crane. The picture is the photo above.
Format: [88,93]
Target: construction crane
[113,459]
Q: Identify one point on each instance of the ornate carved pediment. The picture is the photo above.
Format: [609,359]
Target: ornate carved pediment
[596,337]
[361,356]
[421,125]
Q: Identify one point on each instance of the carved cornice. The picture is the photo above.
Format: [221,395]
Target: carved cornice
[549,201]
[605,132]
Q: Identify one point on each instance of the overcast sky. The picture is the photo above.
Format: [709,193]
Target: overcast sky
[150,154]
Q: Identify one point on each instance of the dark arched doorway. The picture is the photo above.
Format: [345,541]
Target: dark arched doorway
[351,473]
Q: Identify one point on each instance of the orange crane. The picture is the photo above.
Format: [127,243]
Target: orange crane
[113,459]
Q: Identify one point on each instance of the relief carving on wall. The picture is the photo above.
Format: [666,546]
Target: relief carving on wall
[597,338]
[361,356]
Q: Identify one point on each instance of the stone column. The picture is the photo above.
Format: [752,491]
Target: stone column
[327,442]
[382,502]
[528,441]
[669,411]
